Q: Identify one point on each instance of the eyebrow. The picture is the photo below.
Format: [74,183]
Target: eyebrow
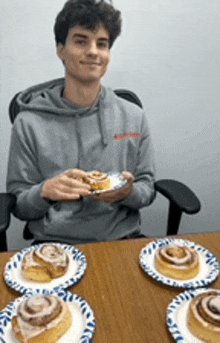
[80,35]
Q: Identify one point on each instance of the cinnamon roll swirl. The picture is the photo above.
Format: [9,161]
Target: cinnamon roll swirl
[97,180]
[45,263]
[41,318]
[178,262]
[203,317]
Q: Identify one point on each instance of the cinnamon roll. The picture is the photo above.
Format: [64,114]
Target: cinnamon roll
[45,263]
[97,180]
[41,318]
[177,262]
[203,317]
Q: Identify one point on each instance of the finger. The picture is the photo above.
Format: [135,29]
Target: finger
[69,186]
[108,197]
[76,191]
[74,173]
[127,176]
[74,183]
[97,197]
[69,197]
[67,193]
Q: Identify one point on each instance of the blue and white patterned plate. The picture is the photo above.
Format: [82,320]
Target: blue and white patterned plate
[209,266]
[76,269]
[81,331]
[176,315]
[116,182]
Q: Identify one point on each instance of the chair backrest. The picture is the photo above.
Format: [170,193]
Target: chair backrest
[126,94]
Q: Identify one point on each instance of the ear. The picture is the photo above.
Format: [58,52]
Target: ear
[60,51]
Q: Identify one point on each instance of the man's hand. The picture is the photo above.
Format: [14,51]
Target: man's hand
[65,187]
[110,197]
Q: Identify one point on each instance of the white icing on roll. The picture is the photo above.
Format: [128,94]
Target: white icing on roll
[95,177]
[177,255]
[39,310]
[209,309]
[38,314]
[203,317]
[52,254]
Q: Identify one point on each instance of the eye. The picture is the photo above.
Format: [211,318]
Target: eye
[103,45]
[80,42]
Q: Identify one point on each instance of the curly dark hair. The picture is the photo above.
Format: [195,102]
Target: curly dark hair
[87,13]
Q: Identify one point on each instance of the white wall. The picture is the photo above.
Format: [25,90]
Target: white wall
[169,53]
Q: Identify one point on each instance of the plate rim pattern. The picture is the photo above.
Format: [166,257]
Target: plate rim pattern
[150,249]
[175,303]
[15,261]
[7,313]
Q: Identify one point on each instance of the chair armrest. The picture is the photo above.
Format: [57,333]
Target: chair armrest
[179,194]
[7,201]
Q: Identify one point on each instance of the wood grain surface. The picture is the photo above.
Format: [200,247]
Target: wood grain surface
[129,305]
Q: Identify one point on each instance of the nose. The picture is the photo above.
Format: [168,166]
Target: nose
[92,49]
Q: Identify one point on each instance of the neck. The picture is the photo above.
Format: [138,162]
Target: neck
[81,94]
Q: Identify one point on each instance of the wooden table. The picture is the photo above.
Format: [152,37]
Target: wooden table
[129,305]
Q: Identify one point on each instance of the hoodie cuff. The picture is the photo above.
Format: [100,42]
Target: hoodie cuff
[30,204]
[139,198]
[131,201]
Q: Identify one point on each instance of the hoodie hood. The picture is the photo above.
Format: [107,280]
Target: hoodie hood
[47,98]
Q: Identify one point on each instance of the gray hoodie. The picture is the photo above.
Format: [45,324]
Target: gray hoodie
[51,135]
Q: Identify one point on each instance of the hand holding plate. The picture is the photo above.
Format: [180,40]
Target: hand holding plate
[112,196]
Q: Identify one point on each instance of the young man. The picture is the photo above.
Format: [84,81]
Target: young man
[70,126]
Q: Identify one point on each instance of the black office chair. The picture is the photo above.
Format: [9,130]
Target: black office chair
[181,198]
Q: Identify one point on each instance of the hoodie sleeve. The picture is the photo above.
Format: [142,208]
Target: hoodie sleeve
[143,192]
[24,179]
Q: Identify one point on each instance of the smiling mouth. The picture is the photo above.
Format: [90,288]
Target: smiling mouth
[91,63]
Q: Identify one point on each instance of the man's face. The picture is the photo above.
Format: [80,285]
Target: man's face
[86,53]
